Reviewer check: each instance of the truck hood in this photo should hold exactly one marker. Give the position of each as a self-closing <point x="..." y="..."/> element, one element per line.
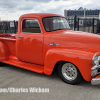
<point x="75" y="39"/>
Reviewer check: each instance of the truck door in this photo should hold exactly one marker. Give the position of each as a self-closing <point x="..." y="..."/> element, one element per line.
<point x="30" y="42"/>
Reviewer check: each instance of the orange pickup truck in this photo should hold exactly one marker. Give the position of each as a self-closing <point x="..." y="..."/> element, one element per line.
<point x="45" y="41"/>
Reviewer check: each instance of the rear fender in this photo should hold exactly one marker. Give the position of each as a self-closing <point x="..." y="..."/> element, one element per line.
<point x="81" y="59"/>
<point x="4" y="51"/>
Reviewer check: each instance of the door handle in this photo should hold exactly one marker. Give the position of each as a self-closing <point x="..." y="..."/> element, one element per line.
<point x="54" y="44"/>
<point x="20" y="36"/>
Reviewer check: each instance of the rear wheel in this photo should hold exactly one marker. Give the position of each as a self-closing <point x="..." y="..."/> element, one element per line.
<point x="69" y="73"/>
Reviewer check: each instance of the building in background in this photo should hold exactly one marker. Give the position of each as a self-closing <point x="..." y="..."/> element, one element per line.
<point x="82" y="13"/>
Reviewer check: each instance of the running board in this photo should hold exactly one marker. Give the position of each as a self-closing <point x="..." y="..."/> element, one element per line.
<point x="24" y="65"/>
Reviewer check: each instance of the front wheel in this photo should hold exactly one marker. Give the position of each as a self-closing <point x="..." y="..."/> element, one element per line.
<point x="69" y="73"/>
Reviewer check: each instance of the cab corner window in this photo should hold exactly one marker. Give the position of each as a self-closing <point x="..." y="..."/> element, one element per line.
<point x="30" y="26"/>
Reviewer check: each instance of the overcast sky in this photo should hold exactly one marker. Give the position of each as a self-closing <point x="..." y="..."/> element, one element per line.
<point x="12" y="9"/>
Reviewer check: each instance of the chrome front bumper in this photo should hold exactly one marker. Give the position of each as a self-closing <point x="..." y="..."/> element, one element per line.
<point x="95" y="75"/>
<point x="95" y="81"/>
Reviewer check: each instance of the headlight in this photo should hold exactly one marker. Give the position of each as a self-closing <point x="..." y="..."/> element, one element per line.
<point x="95" y="60"/>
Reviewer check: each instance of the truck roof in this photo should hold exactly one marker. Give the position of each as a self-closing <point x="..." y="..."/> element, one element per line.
<point x="40" y="15"/>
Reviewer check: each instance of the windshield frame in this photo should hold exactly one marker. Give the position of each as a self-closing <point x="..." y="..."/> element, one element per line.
<point x="56" y="29"/>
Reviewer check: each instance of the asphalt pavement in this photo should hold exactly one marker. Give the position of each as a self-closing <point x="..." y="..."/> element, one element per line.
<point x="16" y="78"/>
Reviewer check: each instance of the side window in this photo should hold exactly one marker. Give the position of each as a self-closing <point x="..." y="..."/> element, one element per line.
<point x="30" y="26"/>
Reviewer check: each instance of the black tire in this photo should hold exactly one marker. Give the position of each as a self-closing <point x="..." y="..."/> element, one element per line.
<point x="70" y="76"/>
<point x="2" y="64"/>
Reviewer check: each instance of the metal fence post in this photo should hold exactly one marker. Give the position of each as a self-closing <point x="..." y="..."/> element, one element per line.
<point x="14" y="26"/>
<point x="93" y="25"/>
<point x="78" y="25"/>
<point x="75" y="22"/>
<point x="3" y="28"/>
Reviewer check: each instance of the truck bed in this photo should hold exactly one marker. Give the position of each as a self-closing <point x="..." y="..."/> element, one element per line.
<point x="10" y="40"/>
<point x="11" y="36"/>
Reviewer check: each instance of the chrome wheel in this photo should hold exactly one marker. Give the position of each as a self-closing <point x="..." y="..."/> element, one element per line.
<point x="69" y="71"/>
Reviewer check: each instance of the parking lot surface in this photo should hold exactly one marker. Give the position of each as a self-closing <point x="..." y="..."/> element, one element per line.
<point x="13" y="77"/>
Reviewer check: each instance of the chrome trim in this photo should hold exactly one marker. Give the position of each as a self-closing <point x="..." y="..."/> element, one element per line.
<point x="20" y="36"/>
<point x="54" y="44"/>
<point x="94" y="59"/>
<point x="94" y="74"/>
<point x="94" y="71"/>
<point x="95" y="67"/>
<point x="95" y="81"/>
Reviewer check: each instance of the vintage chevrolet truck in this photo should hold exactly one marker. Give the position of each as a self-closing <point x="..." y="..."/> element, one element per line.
<point x="44" y="41"/>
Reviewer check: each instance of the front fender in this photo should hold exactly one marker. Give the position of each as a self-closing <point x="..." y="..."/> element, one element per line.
<point x="4" y="51"/>
<point x="82" y="59"/>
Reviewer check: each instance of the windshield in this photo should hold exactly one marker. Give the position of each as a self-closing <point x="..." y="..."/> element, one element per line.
<point x="55" y="23"/>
